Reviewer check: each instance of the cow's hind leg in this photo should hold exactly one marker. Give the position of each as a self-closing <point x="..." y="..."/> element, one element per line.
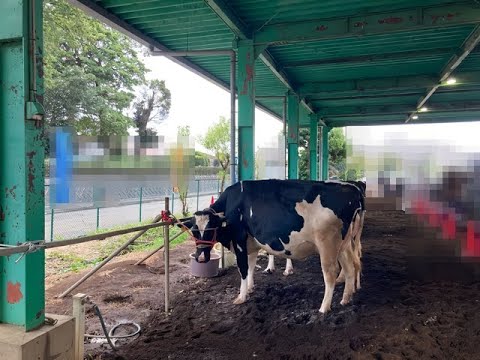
<point x="341" y="277"/>
<point x="346" y="259"/>
<point x="288" y="268"/>
<point x="328" y="260"/>
<point x="252" y="262"/>
<point x="271" y="264"/>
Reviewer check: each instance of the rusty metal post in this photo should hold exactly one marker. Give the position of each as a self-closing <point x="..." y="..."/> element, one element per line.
<point x="166" y="255"/>
<point x="22" y="205"/>
<point x="246" y="110"/>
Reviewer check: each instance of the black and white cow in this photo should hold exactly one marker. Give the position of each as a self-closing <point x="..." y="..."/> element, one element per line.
<point x="357" y="245"/>
<point x="289" y="218"/>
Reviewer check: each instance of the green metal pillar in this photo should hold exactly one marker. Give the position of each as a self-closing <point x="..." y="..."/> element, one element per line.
<point x="325" y="131"/>
<point x="246" y="110"/>
<point x="292" y="135"/>
<point x="313" y="146"/>
<point x="22" y="209"/>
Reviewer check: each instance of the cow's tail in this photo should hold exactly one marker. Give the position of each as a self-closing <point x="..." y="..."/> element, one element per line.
<point x="357" y="227"/>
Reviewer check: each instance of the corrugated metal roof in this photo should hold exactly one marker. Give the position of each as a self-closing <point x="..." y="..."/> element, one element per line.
<point x="327" y="50"/>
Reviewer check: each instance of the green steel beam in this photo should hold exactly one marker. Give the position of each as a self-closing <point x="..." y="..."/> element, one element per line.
<point x="420" y="55"/>
<point x="195" y="14"/>
<point x="22" y="283"/>
<point x="313" y="146"/>
<point x="225" y="12"/>
<point x="246" y="110"/>
<point x="353" y="88"/>
<point x="243" y="32"/>
<point x="161" y="4"/>
<point x="398" y="119"/>
<point x="292" y="135"/>
<point x="466" y="49"/>
<point x="325" y="131"/>
<point x="399" y="109"/>
<point x="170" y="7"/>
<point x="412" y="19"/>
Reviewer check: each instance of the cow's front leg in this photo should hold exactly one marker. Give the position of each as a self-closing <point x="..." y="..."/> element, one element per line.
<point x="252" y="262"/>
<point x="242" y="263"/>
<point x="271" y="265"/>
<point x="288" y="268"/>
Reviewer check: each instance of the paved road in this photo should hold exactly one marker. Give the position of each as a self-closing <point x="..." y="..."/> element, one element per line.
<point x="80" y="222"/>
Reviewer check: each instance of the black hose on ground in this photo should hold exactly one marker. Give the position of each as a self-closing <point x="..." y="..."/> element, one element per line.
<point x="110" y="335"/>
<point x="99" y="314"/>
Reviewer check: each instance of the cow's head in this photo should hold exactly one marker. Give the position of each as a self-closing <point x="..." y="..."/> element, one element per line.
<point x="206" y="226"/>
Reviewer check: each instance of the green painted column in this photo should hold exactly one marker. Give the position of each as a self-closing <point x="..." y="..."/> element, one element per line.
<point x="22" y="209"/>
<point x="325" y="131"/>
<point x="246" y="110"/>
<point x="313" y="146"/>
<point x="292" y="135"/>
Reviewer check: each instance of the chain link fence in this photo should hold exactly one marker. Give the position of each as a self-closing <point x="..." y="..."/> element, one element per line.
<point x="135" y="205"/>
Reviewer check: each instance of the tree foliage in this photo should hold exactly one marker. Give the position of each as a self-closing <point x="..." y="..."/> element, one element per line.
<point x="217" y="139"/>
<point x="303" y="154"/>
<point x="182" y="183"/>
<point x="201" y="159"/>
<point x="90" y="72"/>
<point x="337" y="152"/>
<point x="152" y="105"/>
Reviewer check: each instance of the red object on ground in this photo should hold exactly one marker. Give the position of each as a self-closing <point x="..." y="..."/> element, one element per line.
<point x="449" y="226"/>
<point x="212" y="201"/>
<point x="473" y="240"/>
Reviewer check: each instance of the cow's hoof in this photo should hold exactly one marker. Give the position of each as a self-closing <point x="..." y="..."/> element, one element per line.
<point x="239" y="300"/>
<point x="324" y="310"/>
<point x="345" y="301"/>
<point x="288" y="272"/>
<point x="268" y="271"/>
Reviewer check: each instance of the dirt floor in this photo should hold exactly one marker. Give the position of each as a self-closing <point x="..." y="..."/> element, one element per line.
<point x="392" y="317"/>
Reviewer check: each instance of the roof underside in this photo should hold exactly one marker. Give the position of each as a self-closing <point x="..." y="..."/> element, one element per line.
<point x="350" y="63"/>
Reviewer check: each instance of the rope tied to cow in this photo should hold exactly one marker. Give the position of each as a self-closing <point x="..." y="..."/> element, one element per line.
<point x="193" y="237"/>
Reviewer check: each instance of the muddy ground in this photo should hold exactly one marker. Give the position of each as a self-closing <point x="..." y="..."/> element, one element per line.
<point x="392" y="317"/>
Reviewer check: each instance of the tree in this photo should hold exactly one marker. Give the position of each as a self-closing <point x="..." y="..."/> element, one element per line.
<point x="152" y="105"/>
<point x="337" y="152"/>
<point x="201" y="159"/>
<point x="303" y="154"/>
<point x="217" y="139"/>
<point x="90" y="72"/>
<point x="183" y="133"/>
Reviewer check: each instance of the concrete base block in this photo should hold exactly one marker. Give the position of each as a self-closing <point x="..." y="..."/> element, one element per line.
<point x="48" y="342"/>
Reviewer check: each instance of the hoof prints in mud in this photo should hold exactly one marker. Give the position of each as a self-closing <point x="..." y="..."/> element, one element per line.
<point x="117" y="298"/>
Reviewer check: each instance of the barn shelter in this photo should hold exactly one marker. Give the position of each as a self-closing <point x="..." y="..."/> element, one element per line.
<point x="312" y="64"/>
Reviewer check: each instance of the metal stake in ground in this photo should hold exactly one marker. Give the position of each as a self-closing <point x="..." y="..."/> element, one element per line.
<point x="112" y="255"/>
<point x="166" y="241"/>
